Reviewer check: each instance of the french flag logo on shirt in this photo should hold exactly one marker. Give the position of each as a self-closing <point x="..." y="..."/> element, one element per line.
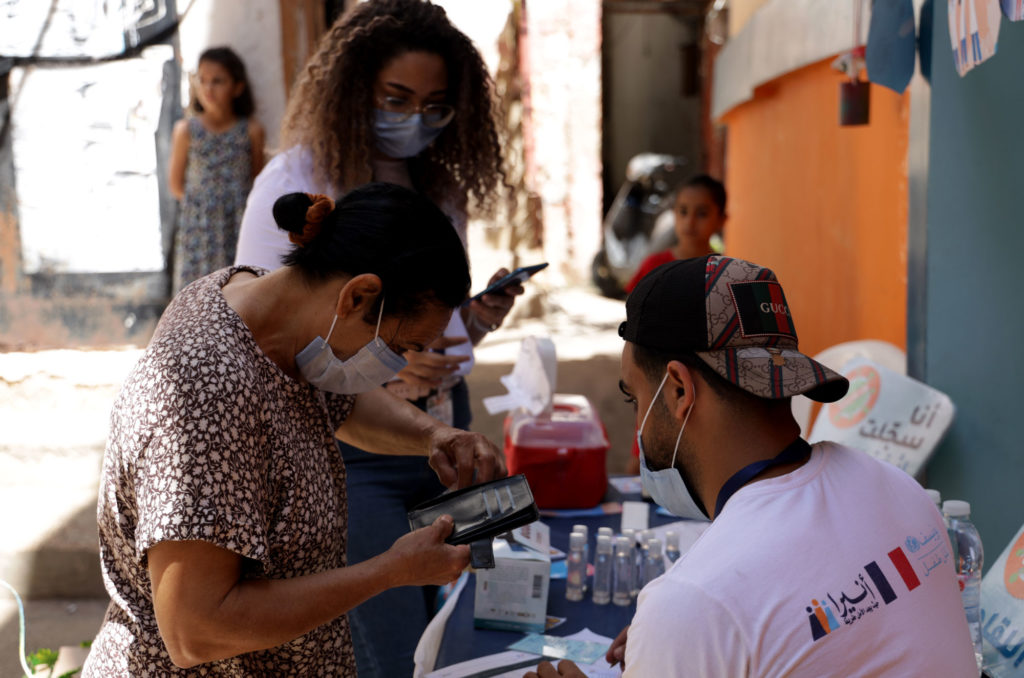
<point x="835" y="609"/>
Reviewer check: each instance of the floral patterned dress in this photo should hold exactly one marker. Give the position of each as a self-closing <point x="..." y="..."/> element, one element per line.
<point x="210" y="440"/>
<point x="218" y="176"/>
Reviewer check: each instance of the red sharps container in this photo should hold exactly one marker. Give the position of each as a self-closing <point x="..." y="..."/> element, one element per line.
<point x="562" y="454"/>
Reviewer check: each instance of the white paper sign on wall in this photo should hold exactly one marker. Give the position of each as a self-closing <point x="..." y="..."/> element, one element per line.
<point x="889" y="415"/>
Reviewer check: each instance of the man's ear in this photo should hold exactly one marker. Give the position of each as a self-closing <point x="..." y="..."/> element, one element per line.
<point x="680" y="388"/>
<point x="358" y="295"/>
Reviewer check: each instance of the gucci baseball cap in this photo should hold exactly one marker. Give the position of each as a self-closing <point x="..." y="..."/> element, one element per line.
<point x="734" y="316"/>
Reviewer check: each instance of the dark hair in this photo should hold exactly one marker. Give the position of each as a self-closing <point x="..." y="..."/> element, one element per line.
<point x="243" y="105"/>
<point x="390" y="231"/>
<point x="714" y="187"/>
<point x="330" y="110"/>
<point x="652" y="363"/>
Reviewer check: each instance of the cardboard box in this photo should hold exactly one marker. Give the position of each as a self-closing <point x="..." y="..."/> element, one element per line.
<point x="513" y="596"/>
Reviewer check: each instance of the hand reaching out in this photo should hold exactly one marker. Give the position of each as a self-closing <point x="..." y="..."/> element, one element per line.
<point x="426" y="369"/>
<point x="566" y="669"/>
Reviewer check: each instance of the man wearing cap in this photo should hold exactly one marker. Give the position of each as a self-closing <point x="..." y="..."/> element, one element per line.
<point x="820" y="561"/>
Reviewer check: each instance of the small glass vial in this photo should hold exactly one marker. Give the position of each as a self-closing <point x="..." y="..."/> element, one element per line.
<point x="672" y="551"/>
<point x="622" y="575"/>
<point x="630" y="534"/>
<point x="585" y="531"/>
<point x="576" y="566"/>
<point x="640" y="559"/>
<point x="603" y="558"/>
<point x="654" y="563"/>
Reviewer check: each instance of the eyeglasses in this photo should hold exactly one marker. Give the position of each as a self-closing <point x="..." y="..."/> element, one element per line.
<point x="397" y="109"/>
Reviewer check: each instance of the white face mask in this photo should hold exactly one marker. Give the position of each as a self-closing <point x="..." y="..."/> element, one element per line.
<point x="372" y="366"/>
<point x="666" y="486"/>
<point x="403" y="139"/>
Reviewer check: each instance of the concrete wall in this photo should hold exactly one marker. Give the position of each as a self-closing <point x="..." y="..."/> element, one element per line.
<point x="648" y="58"/>
<point x="974" y="239"/>
<point x="740" y="12"/>
<point x="564" y="139"/>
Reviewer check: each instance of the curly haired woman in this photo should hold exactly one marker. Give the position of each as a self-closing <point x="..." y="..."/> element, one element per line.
<point x="395" y="93"/>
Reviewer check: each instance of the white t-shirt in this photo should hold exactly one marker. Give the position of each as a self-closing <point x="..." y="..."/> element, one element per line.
<point x="841" y="568"/>
<point x="262" y="243"/>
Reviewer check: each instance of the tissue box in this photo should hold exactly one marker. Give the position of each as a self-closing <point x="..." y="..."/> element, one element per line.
<point x="562" y="455"/>
<point x="513" y="596"/>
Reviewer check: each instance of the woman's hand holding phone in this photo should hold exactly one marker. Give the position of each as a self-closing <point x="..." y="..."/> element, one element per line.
<point x="490" y="309"/>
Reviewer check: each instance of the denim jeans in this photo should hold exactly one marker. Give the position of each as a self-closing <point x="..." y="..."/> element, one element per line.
<point x="381" y="490"/>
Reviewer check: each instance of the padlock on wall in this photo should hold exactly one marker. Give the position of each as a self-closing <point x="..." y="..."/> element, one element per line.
<point x="854" y="102"/>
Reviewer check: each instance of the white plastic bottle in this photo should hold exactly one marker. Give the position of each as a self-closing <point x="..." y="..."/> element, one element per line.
<point x="622" y="575"/>
<point x="654" y="562"/>
<point x="630" y="534"/>
<point x="585" y="531"/>
<point x="672" y="551"/>
<point x="586" y="539"/>
<point x="640" y="558"/>
<point x="576" y="567"/>
<point x="969" y="558"/>
<point x="603" y="557"/>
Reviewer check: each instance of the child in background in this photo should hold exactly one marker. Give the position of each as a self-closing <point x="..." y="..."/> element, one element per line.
<point x="215" y="154"/>
<point x="700" y="216"/>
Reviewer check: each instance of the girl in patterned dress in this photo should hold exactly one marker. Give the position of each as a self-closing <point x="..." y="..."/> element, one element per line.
<point x="215" y="153"/>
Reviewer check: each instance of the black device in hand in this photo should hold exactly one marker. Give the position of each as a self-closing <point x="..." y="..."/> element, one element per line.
<point x="519" y="275"/>
<point x="480" y="511"/>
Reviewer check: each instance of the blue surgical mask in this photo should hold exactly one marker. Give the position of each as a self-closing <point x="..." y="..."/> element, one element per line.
<point x="666" y="486"/>
<point x="403" y="139"/>
<point x="372" y="366"/>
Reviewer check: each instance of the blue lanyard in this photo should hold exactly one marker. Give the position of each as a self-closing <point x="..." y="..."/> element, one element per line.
<point x="794" y="452"/>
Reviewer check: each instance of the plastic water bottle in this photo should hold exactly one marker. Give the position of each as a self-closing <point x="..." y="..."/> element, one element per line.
<point x="641" y="563"/>
<point x="603" y="558"/>
<point x="623" y="571"/>
<point x="654" y="562"/>
<point x="585" y="531"/>
<point x="608" y="532"/>
<point x="576" y="567"/>
<point x="969" y="558"/>
<point x="672" y="551"/>
<point x="630" y="534"/>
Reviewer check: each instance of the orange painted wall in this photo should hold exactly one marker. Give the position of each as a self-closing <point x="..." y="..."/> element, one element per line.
<point x="824" y="206"/>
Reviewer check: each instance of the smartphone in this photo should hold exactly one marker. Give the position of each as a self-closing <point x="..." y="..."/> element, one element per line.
<point x="519" y="275"/>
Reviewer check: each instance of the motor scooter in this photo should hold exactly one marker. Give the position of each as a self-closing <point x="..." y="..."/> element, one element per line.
<point x="639" y="222"/>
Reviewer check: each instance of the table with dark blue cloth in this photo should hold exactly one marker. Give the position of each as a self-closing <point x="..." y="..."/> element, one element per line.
<point x="462" y="641"/>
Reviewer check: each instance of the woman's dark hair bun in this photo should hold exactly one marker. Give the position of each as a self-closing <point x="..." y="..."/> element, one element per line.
<point x="290" y="211"/>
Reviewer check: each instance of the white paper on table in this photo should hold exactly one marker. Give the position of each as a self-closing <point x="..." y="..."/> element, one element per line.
<point x="427" y="648"/>
<point x="525" y="662"/>
<point x="489" y="663"/>
<point x="635" y="515"/>
<point x="601" y="668"/>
